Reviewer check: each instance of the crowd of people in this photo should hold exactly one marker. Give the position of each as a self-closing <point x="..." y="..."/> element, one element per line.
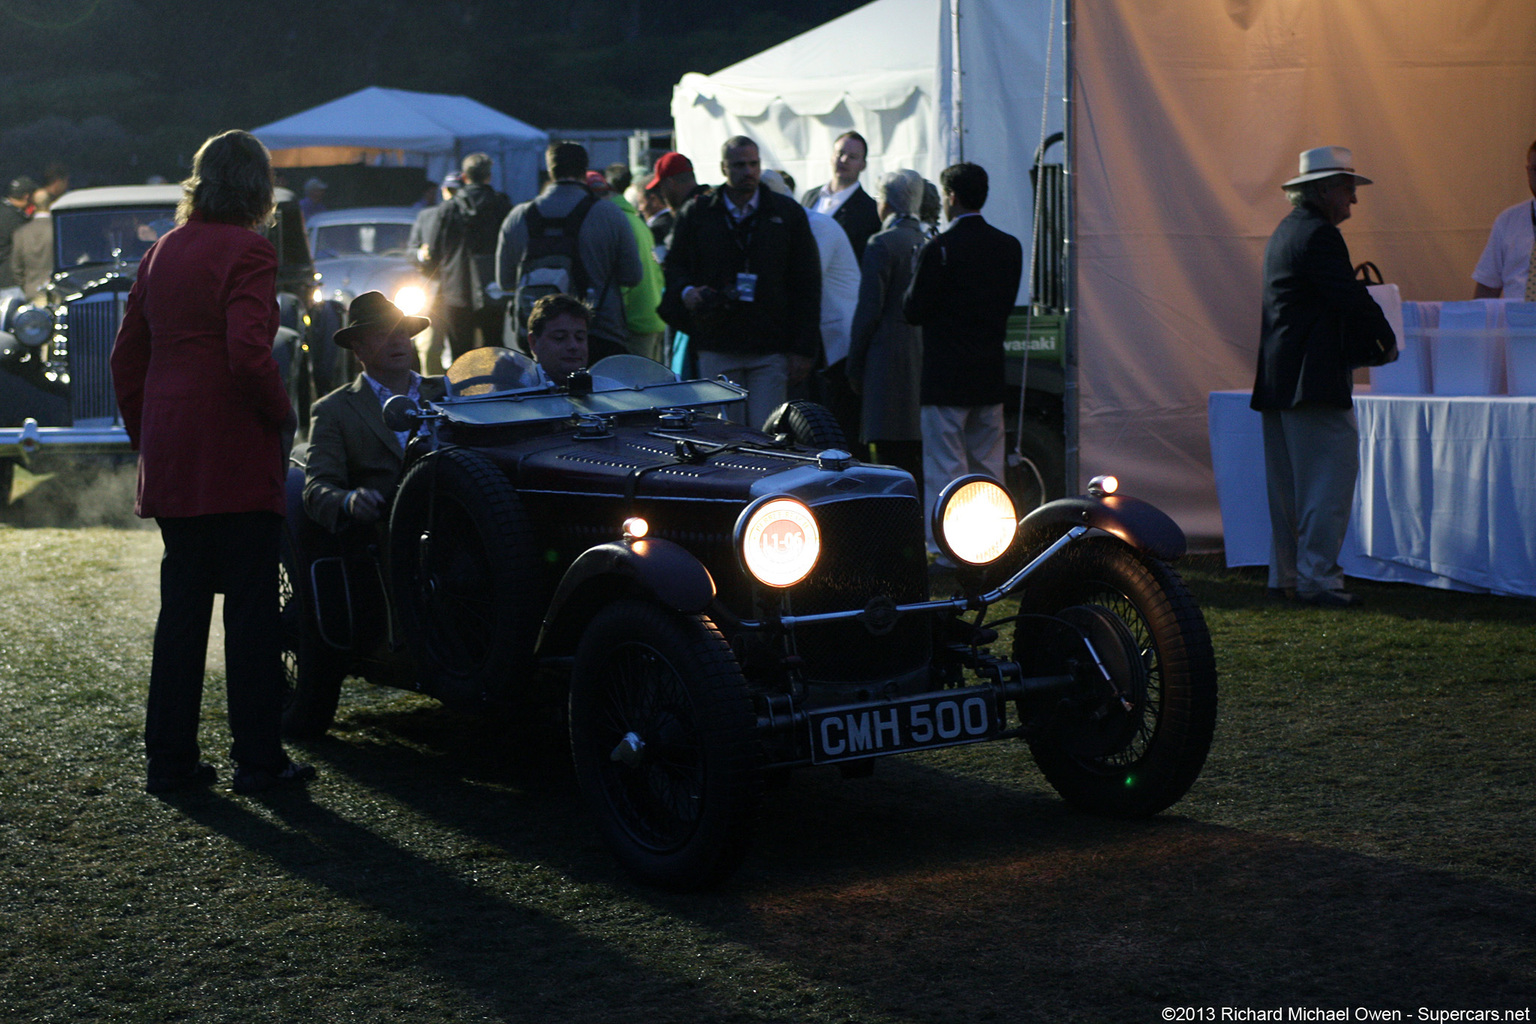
<point x="826" y="297"/>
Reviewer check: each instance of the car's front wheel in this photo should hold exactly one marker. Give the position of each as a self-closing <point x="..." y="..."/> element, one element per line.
<point x="1134" y="747"/>
<point x="662" y="740"/>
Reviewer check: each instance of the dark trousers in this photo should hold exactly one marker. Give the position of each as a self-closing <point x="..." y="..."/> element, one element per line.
<point x="235" y="554"/>
<point x="459" y="326"/>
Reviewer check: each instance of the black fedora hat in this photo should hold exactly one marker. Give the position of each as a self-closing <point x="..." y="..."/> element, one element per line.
<point x="372" y="309"/>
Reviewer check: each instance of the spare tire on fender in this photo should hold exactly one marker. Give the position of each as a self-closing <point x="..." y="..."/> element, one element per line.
<point x="807" y="423"/>
<point x="464" y="577"/>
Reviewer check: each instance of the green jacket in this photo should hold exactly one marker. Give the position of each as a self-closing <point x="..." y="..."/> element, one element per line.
<point x="640" y="302"/>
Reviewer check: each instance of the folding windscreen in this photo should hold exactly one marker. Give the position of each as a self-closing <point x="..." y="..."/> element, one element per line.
<point x="1189" y="114"/>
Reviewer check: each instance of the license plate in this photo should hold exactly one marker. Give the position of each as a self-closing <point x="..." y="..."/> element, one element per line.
<point x="943" y="719"/>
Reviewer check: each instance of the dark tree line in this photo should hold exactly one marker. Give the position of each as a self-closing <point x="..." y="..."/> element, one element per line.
<point x="122" y="89"/>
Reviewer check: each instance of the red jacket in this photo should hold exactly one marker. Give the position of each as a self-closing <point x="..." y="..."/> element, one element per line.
<point x="199" y="390"/>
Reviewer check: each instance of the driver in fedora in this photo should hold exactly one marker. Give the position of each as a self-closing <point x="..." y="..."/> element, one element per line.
<point x="355" y="460"/>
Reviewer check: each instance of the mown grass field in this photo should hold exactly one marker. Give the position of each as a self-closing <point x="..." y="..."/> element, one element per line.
<point x="1363" y="836"/>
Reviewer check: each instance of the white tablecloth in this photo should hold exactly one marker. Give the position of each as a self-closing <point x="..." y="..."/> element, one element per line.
<point x="1446" y="497"/>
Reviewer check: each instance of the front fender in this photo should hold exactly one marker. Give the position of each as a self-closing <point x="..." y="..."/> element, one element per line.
<point x="1141" y="525"/>
<point x="660" y="569"/>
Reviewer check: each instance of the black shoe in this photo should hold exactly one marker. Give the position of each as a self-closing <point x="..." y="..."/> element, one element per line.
<point x="201" y="776"/>
<point x="1330" y="599"/>
<point x="1283" y="593"/>
<point x="255" y="780"/>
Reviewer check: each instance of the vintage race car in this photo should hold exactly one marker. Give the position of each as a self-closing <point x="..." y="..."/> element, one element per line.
<point x="56" y="394"/>
<point x="714" y="604"/>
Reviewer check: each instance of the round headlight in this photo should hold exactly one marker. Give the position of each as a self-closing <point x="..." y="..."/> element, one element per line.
<point x="411" y="299"/>
<point x="33" y="326"/>
<point x="974" y="520"/>
<point x="779" y="542"/>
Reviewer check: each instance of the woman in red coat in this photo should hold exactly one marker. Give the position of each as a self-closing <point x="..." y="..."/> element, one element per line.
<point x="204" y="404"/>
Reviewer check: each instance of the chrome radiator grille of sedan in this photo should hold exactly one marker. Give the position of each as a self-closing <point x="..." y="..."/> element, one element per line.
<point x="93" y="323"/>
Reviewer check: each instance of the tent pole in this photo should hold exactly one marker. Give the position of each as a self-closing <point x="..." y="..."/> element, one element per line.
<point x="957" y="108"/>
<point x="1069" y="398"/>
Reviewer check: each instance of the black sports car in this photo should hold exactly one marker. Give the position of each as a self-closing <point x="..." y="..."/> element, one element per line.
<point x="716" y="603"/>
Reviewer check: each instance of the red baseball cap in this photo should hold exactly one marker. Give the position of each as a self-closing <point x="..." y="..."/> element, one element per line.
<point x="669" y="166"/>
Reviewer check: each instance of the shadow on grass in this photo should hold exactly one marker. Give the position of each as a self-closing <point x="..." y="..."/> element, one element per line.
<point x="925" y="893"/>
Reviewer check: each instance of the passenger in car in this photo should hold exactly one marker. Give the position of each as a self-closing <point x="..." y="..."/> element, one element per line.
<point x="354" y="460"/>
<point x="557" y="335"/>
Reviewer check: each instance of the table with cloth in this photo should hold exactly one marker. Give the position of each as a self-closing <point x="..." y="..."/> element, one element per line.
<point x="1447" y="490"/>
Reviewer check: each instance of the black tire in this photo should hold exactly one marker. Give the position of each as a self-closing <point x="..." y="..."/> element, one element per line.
<point x="807" y="424"/>
<point x="677" y="814"/>
<point x="312" y="671"/>
<point x="464" y="577"/>
<point x="1098" y="755"/>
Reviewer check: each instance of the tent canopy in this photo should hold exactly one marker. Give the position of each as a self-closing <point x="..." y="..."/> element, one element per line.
<point x="414" y="129"/>
<point x="887" y="70"/>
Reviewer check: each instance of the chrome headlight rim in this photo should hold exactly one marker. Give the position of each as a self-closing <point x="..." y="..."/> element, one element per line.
<point x="955" y="531"/>
<point x="33" y="326"/>
<point x="798" y="541"/>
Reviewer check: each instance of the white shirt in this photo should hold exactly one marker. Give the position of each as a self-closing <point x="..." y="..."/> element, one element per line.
<point x="830" y="202"/>
<point x="1506" y="259"/>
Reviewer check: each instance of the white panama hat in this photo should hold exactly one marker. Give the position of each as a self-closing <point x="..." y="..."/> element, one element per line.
<point x="1325" y="162"/>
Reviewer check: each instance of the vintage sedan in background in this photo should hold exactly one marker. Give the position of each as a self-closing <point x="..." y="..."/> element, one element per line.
<point x="715" y="605"/>
<point x="56" y="395"/>
<point x="360" y="250"/>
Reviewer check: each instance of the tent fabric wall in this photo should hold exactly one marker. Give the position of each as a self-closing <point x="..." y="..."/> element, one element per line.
<point x="1187" y="116"/>
<point x="886" y="70"/>
<point x="418" y="129"/>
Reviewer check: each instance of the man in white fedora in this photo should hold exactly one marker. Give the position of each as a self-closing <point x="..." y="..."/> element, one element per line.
<point x="1319" y="324"/>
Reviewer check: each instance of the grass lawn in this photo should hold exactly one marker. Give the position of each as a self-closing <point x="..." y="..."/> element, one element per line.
<point x="1363" y="836"/>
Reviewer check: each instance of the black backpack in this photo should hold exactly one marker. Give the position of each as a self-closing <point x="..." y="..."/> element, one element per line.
<point x="551" y="260"/>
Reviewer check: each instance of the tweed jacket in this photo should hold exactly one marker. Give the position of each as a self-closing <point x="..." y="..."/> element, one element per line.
<point x="349" y="446"/>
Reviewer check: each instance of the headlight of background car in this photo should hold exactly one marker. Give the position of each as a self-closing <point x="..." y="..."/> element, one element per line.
<point x="974" y="520"/>
<point x="33" y="326"/>
<point x="412" y="300"/>
<point x="778" y="541"/>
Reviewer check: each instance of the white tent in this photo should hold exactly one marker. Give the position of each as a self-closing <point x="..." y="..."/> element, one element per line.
<point x="1185" y="117"/>
<point x="888" y="71"/>
<point x="410" y="129"/>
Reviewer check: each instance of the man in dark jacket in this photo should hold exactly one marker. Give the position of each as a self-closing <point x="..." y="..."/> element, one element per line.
<point x="961" y="294"/>
<point x="464" y="245"/>
<point x="843" y="198"/>
<point x="1319" y="324"/>
<point x="744" y="280"/>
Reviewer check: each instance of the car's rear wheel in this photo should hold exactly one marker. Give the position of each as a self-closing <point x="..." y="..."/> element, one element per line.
<point x="808" y="424"/>
<point x="662" y="740"/>
<point x="1138" y="750"/>
<point x="464" y="576"/>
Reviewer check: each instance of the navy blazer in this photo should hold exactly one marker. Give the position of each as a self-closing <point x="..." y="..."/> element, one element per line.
<point x="1318" y="319"/>
<point x="859" y="215"/>
<point x="961" y="294"/>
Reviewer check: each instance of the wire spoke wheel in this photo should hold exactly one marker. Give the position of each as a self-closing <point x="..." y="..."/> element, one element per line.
<point x="662" y="740"/>
<point x="1133" y="746"/>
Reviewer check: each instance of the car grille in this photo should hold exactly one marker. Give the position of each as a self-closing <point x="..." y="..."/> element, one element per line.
<point x="871" y="547"/>
<point x="93" y="323"/>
